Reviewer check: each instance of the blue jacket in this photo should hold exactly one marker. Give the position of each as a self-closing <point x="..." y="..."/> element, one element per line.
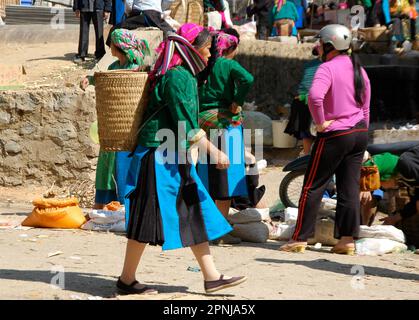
<point x="104" y="5"/>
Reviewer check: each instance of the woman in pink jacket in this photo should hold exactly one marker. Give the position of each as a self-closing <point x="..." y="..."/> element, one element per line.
<point x="339" y="101"/>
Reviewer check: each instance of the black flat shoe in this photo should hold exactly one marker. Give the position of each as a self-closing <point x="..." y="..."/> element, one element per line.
<point x="215" y="285"/>
<point x="130" y="289"/>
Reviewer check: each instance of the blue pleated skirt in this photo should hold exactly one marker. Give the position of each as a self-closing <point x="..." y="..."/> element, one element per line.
<point x="228" y="183"/>
<point x="167" y="204"/>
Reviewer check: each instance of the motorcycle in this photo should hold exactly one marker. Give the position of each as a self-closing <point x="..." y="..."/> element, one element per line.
<point x="292" y="183"/>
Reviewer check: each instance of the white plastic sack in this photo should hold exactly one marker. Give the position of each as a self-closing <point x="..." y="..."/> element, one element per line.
<point x="118" y="226"/>
<point x="249" y="215"/>
<point x="106" y="216"/>
<point x="249" y="27"/>
<point x="376" y="247"/>
<point x="251" y="232"/>
<point x="291" y="215"/>
<point x="282" y="231"/>
<point x="214" y="19"/>
<point x="382" y="232"/>
<point x="257" y="120"/>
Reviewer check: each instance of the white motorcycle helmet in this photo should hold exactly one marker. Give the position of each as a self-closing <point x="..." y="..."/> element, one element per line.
<point x="339" y="36"/>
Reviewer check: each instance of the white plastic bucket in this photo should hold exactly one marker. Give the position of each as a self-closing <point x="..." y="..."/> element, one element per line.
<point x="281" y="139"/>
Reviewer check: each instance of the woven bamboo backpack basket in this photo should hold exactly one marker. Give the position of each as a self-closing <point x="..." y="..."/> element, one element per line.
<point x="120" y="105"/>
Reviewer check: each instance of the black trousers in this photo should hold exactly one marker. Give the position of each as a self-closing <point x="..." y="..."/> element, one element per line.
<point x="339" y="153"/>
<point x="97" y="19"/>
<point x="147" y="18"/>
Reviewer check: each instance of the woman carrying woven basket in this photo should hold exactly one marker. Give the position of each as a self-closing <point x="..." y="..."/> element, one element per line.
<point x="225" y="86"/>
<point x="112" y="167"/>
<point x="166" y="201"/>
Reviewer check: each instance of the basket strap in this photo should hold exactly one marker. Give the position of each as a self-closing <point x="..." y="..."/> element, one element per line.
<point x="143" y="125"/>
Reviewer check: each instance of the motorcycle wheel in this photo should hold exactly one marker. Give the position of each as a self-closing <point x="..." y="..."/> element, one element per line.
<point x="290" y="188"/>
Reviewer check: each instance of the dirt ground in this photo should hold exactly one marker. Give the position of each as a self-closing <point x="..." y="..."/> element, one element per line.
<point x="88" y="263"/>
<point x="46" y="65"/>
<point x="91" y="262"/>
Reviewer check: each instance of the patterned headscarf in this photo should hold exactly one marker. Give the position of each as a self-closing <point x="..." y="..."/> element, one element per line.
<point x="135" y="49"/>
<point x="178" y="49"/>
<point x="226" y="42"/>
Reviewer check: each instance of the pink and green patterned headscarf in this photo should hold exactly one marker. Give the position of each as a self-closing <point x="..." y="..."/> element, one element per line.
<point x="177" y="49"/>
<point x="225" y="43"/>
<point x="135" y="49"/>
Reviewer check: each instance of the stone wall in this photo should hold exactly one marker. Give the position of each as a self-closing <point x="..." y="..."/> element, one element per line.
<point x="44" y="137"/>
<point x="277" y="68"/>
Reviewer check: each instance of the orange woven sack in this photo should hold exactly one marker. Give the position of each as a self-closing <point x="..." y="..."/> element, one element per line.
<point x="55" y="213"/>
<point x="370" y="178"/>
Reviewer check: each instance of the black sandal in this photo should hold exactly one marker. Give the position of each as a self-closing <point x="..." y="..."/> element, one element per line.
<point x="130" y="289"/>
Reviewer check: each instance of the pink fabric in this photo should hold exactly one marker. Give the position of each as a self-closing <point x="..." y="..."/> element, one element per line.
<point x="190" y="32"/>
<point x="225" y="42"/>
<point x="332" y="95"/>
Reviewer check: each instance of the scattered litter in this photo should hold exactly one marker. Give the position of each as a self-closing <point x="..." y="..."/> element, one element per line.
<point x="6" y="225"/>
<point x="74" y="258"/>
<point x="23" y="235"/>
<point x="20" y="227"/>
<point x="193" y="269"/>
<point x="94" y="298"/>
<point x="56" y="253"/>
<point x="30" y="240"/>
<point x="76" y="297"/>
<point x="262" y="164"/>
<point x="278" y="206"/>
<point x="318" y="245"/>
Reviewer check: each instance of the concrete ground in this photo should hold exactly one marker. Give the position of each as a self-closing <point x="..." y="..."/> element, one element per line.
<point x="91" y="262"/>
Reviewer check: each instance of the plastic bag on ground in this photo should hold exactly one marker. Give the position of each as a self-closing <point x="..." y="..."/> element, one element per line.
<point x="282" y="231"/>
<point x="106" y="216"/>
<point x="118" y="226"/>
<point x="376" y="247"/>
<point x="382" y="232"/>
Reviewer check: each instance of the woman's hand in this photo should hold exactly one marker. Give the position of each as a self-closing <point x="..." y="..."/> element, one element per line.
<point x="84" y="83"/>
<point x="249" y="158"/>
<point x="222" y="161"/>
<point x="235" y="108"/>
<point x="365" y="197"/>
<point x="324" y="125"/>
